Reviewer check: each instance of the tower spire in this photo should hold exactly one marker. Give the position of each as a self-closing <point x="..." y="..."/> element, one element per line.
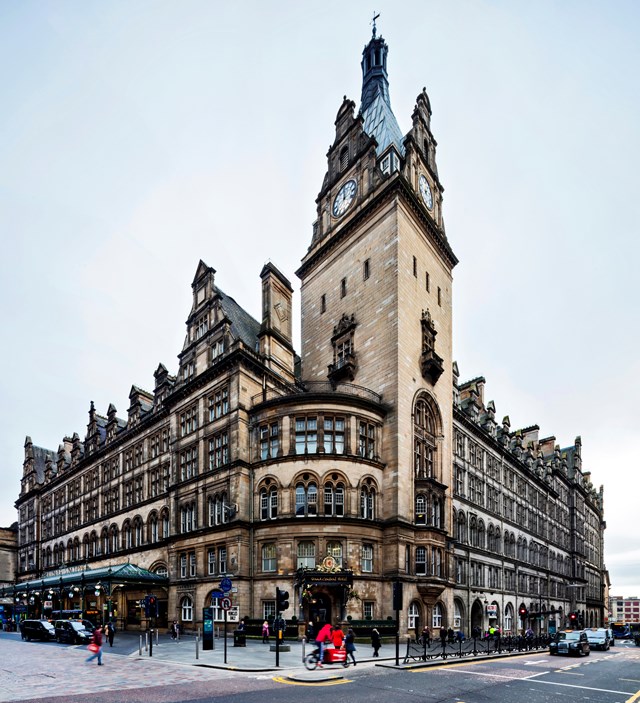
<point x="375" y="103"/>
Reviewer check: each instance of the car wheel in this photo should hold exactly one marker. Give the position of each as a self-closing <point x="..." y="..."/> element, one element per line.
<point x="587" y="653"/>
<point x="58" y="639"/>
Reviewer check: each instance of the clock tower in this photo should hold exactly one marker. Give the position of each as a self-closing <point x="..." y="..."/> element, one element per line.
<point x="376" y="292"/>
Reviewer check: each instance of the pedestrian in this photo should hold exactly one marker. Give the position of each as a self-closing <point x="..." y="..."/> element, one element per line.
<point x="323" y="637"/>
<point x="337" y="637"/>
<point x="375" y="642"/>
<point x="350" y="644"/>
<point x="425" y="637"/>
<point x="241" y="627"/>
<point x="450" y="635"/>
<point x="111" y="632"/>
<point x="265" y="632"/>
<point x="96" y="642"/>
<point x="310" y="632"/>
<point x="174" y="630"/>
<point x="443" y="637"/>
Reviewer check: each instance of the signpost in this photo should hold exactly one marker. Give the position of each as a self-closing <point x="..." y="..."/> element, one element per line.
<point x="225" y="604"/>
<point x="207" y="628"/>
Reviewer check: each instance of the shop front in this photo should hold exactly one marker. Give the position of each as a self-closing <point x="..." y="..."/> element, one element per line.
<point x="323" y="593"/>
<point x="100" y="595"/>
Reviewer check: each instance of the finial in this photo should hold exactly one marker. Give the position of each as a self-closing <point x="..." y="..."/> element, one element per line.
<point x="373" y="22"/>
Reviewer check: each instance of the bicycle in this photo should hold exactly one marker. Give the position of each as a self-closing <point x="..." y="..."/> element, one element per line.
<point x="331" y="656"/>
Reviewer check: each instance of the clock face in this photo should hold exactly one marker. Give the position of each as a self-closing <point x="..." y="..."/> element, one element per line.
<point x="345" y="197"/>
<point x="425" y="192"/>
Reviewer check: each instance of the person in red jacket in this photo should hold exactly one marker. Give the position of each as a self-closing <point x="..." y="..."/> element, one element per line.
<point x="97" y="640"/>
<point x="323" y="637"/>
<point x="337" y="637"/>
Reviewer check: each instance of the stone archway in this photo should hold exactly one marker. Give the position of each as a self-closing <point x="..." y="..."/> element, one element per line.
<point x="477" y="617"/>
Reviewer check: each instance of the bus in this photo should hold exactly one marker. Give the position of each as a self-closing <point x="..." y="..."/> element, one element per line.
<point x="620" y="631"/>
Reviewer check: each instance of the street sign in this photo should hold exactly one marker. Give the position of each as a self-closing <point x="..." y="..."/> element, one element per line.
<point x="225" y="604"/>
<point x="217" y="593"/>
<point x="225" y="584"/>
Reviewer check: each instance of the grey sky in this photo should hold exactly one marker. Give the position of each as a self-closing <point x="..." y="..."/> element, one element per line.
<point x="139" y="137"/>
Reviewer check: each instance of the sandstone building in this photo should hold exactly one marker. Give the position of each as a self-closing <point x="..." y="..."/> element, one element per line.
<point x="362" y="461"/>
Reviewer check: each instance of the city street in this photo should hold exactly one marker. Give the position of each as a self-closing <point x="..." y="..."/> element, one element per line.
<point x="33" y="671"/>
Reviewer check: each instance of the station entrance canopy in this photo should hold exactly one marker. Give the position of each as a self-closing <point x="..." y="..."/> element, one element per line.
<point x="119" y="575"/>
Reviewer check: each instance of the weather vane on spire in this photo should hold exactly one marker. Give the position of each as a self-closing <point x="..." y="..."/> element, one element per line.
<point x="373" y="22"/>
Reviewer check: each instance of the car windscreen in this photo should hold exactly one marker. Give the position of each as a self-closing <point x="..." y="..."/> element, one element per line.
<point x="568" y="636"/>
<point x="48" y="625"/>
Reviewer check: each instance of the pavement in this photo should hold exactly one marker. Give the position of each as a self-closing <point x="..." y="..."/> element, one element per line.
<point x="258" y="657"/>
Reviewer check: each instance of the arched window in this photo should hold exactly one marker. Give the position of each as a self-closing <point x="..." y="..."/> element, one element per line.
<point x="508" y="620"/>
<point x="458" y="610"/>
<point x="512" y="545"/>
<point x="306" y="499"/>
<point x="424" y="439"/>
<point x="334" y="549"/>
<point x="186" y="606"/>
<point x="306" y="555"/>
<point x="491" y="539"/>
<point x="161" y="570"/>
<point x="165" y="524"/>
<point x="138" y="532"/>
<point x="421" y="509"/>
<point x="436" y="616"/>
<point x="334" y="499"/>
<point x="86" y="547"/>
<point x="421" y="561"/>
<point x="69" y="551"/>
<point x="114" y="538"/>
<point x="106" y="545"/>
<point x="76" y="549"/>
<point x="367" y="502"/>
<point x="481" y="534"/>
<point x="127" y="537"/>
<point x="497" y="540"/>
<point x="268" y="503"/>
<point x="188" y="518"/>
<point x="95" y="544"/>
<point x="413" y="616"/>
<point x="153" y="528"/>
<point x="473" y="531"/>
<point x="462" y="527"/>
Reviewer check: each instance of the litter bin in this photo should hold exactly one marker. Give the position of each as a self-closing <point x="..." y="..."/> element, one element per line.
<point x="239" y="638"/>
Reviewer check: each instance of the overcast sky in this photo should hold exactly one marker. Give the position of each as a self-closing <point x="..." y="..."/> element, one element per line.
<point x="139" y="137"/>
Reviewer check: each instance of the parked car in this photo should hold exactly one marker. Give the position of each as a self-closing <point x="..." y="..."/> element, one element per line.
<point x="598" y="638"/>
<point x="73" y="631"/>
<point x="570" y="642"/>
<point x="36" y="630"/>
<point x="612" y="639"/>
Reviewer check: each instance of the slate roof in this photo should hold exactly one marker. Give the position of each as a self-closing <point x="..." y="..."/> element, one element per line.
<point x="243" y="325"/>
<point x="381" y="123"/>
<point x="40" y="457"/>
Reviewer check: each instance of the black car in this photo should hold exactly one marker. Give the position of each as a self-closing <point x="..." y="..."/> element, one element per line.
<point x="36" y="630"/>
<point x="73" y="631"/>
<point x="572" y="642"/>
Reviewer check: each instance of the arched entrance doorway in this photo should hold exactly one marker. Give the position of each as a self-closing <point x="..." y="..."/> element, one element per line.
<point x="320" y="609"/>
<point x="477" y="617"/>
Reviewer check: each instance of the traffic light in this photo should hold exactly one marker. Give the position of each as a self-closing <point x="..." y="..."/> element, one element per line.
<point x="523" y="612"/>
<point x="573" y="619"/>
<point x="151" y="606"/>
<point x="282" y="602"/>
<point x="397" y="595"/>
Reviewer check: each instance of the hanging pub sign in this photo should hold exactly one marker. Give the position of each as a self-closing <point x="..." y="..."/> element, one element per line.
<point x="492" y="611"/>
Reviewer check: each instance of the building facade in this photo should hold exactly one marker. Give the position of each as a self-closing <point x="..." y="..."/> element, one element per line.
<point x="333" y="473"/>
<point x="625" y="610"/>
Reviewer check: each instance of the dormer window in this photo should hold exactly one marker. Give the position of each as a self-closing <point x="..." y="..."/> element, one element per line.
<point x="390" y="162"/>
<point x="201" y="294"/>
<point x="189" y="371"/>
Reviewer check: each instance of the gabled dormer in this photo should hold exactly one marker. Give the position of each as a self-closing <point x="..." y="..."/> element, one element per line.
<point x="140" y="403"/>
<point x="63" y="459"/>
<point x="77" y="449"/>
<point x="164" y="384"/>
<point x="112" y="423"/>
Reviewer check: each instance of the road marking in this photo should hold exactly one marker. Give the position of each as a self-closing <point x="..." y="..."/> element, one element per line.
<point x="589" y="688"/>
<point x="283" y="679"/>
<point x="633" y="698"/>
<point x="632" y="680"/>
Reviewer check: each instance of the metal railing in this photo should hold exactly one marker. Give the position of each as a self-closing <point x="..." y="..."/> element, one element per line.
<point x="475" y="646"/>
